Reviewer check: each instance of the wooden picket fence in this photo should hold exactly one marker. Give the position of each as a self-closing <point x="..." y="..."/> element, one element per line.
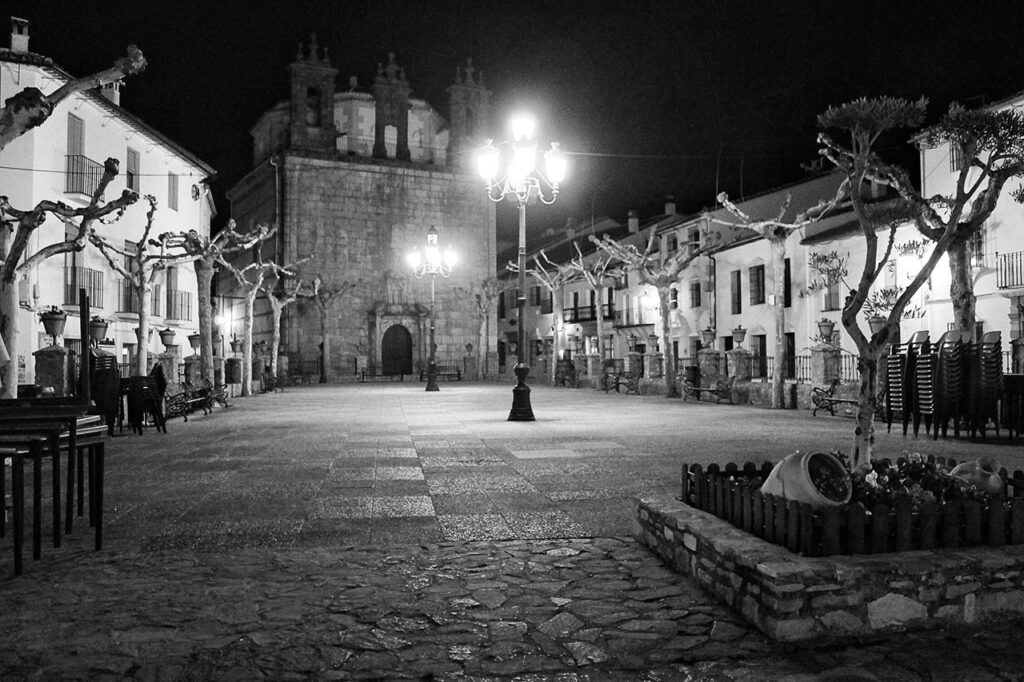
<point x="733" y="493"/>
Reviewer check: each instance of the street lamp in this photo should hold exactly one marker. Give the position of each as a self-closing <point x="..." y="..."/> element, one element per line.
<point x="522" y="184"/>
<point x="431" y="262"/>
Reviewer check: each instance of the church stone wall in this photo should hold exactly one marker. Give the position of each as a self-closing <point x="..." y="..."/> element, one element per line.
<point x="359" y="220"/>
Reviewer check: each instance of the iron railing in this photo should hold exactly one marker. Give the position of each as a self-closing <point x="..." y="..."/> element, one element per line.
<point x="83" y="174"/>
<point x="128" y="299"/>
<point x="77" y="277"/>
<point x="1010" y="270"/>
<point x="179" y="305"/>
<point x="587" y="313"/>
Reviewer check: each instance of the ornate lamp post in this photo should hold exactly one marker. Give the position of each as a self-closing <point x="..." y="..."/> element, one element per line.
<point x="522" y="184"/>
<point x="431" y="262"/>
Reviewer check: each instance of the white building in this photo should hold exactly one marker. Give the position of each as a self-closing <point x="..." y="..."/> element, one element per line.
<point x="62" y="160"/>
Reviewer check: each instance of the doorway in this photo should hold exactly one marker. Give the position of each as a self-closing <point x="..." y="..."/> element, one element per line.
<point x="396" y="351"/>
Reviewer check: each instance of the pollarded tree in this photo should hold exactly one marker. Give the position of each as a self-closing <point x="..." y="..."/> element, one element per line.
<point x="553" y="277"/>
<point x="17" y="261"/>
<point x="250" y="279"/>
<point x="279" y="294"/>
<point x="662" y="274"/>
<point x="861" y="123"/>
<point x="484" y="294"/>
<point x="325" y="295"/>
<point x="595" y="270"/>
<point x="25" y="110"/>
<point x="139" y="265"/>
<point x="776" y="230"/>
<point x="992" y="145"/>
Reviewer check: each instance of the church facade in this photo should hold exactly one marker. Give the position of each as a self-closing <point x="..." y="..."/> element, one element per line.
<point x="354" y="180"/>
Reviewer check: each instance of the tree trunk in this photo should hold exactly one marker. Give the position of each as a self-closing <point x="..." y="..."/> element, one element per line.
<point x="204" y="280"/>
<point x="484" y="346"/>
<point x="325" y="347"/>
<point x="145" y="308"/>
<point x="275" y="339"/>
<point x="671" y="389"/>
<point x="961" y="286"/>
<point x="9" y="331"/>
<point x="779" y="277"/>
<point x="558" y="308"/>
<point x="250" y="302"/>
<point x="599" y="315"/>
<point x="864" y="434"/>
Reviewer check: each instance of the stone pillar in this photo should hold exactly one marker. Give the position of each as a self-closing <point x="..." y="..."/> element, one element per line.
<point x="825" y="364"/>
<point x="709" y="361"/>
<point x="192" y="369"/>
<point x="169" y="361"/>
<point x="738" y="360"/>
<point x="1017" y="355"/>
<point x="632" y="362"/>
<point x="654" y="362"/>
<point x="52" y="370"/>
<point x="594" y="365"/>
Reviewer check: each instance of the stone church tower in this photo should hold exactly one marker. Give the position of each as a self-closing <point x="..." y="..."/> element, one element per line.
<point x="354" y="179"/>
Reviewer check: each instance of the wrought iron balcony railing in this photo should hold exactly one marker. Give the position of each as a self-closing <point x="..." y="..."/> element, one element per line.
<point x="179" y="305"/>
<point x="76" y="278"/>
<point x="83" y="174"/>
<point x="1010" y="270"/>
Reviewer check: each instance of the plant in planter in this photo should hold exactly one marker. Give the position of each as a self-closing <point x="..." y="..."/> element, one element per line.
<point x="53" y="319"/>
<point x="816" y="478"/>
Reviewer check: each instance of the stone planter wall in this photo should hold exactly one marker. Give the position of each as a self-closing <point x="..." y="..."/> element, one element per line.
<point x="791" y="598"/>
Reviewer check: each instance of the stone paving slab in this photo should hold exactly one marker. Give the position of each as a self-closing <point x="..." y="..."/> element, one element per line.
<point x="380" y="532"/>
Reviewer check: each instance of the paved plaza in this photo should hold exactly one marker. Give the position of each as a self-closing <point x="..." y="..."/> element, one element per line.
<point x="382" y="532"/>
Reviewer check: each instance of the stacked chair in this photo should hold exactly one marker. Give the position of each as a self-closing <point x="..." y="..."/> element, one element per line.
<point x="901" y="386"/>
<point x="986" y="383"/>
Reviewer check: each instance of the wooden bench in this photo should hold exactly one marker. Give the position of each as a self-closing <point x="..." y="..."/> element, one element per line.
<point x="722" y="390"/>
<point x="444" y="373"/>
<point x="825" y="399"/>
<point x="616" y="381"/>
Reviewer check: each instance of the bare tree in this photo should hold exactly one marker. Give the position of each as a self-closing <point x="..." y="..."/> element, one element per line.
<point x="553" y="277"/>
<point x="776" y="231"/>
<point x="324" y="296"/>
<point x="25" y="110"/>
<point x="280" y="295"/>
<point x="207" y="253"/>
<point x="139" y="266"/>
<point x="484" y="294"/>
<point x="23" y="224"/>
<point x="662" y="274"/>
<point x="941" y="219"/>
<point x="595" y="270"/>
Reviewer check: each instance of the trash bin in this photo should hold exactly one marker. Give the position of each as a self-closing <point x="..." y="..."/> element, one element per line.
<point x="233" y="371"/>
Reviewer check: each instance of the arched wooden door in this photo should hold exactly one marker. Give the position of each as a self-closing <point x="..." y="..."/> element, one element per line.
<point x="396" y="351"/>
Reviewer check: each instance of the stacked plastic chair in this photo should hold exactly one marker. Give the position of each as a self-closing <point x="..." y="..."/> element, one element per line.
<point x="900" y="380"/>
<point x="951" y="383"/>
<point x="924" y="377"/>
<point x="986" y="382"/>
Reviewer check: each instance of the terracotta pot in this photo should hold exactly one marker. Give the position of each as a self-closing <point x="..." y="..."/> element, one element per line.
<point x="791" y="479"/>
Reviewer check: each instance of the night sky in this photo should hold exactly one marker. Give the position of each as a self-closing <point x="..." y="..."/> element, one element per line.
<point x="683" y="97"/>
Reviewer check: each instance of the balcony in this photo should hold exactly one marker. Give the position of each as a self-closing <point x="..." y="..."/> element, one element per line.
<point x="632" y="317"/>
<point x="179" y="305"/>
<point x="587" y="313"/>
<point x="83" y="174"/>
<point x="76" y="278"/>
<point x="128" y="299"/>
<point x="1010" y="270"/>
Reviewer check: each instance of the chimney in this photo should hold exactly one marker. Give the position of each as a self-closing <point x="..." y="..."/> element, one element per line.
<point x="112" y="91"/>
<point x="633" y="221"/>
<point x="670" y="205"/>
<point x="19" y="34"/>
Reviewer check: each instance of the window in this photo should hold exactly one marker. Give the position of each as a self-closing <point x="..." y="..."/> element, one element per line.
<point x="956" y="157"/>
<point x="76" y="136"/>
<point x="757" y="285"/>
<point x="695" y="293"/>
<point x="172" y="191"/>
<point x="673" y="298"/>
<point x="672" y="243"/>
<point x="759" y="356"/>
<point x="694" y="239"/>
<point x="976" y="248"/>
<point x="787" y="286"/>
<point x="535" y="295"/>
<point x="501" y="306"/>
<point x="132" y="174"/>
<point x="735" y="291"/>
<point x="313" y="107"/>
<point x="547" y="304"/>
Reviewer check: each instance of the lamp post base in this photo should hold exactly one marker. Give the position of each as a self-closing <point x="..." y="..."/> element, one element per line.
<point x="432" y="376"/>
<point x="521" y="411"/>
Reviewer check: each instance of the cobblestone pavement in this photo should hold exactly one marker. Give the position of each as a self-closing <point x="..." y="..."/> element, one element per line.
<point x="379" y="532"/>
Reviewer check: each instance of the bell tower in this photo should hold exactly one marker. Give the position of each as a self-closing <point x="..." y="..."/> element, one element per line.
<point x="470" y="111"/>
<point x="311" y="124"/>
<point x="391" y="92"/>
